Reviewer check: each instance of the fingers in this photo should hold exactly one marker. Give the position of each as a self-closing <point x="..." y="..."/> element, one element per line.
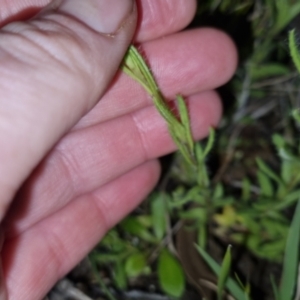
<point x="162" y="17"/>
<point x="154" y="16"/>
<point x="35" y="260"/>
<point x="183" y="63"/>
<point x="89" y="158"/>
<point x="53" y="69"/>
<point x="17" y="10"/>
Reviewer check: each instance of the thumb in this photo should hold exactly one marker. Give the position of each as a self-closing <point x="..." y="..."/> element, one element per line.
<point x="53" y="69"/>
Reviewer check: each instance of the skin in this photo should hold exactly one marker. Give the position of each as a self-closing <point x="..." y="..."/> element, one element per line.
<point x="71" y="169"/>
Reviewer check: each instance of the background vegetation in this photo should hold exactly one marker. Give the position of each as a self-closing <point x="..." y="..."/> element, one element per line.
<point x="239" y="188"/>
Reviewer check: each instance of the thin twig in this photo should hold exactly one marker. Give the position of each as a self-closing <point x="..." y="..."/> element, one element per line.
<point x="165" y="241"/>
<point x="229" y="153"/>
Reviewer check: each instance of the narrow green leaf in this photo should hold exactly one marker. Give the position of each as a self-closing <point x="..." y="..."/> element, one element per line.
<point x="291" y="258"/>
<point x="246" y="288"/>
<point x="296" y="114"/>
<point x="176" y="136"/>
<point x="202" y="235"/>
<point x="294" y="50"/>
<point x="219" y="191"/>
<point x="170" y="274"/>
<point x="246" y="189"/>
<point x="199" y="152"/>
<point x="289" y="200"/>
<point x="278" y="141"/>
<point x="287" y="14"/>
<point x="120" y="276"/>
<point x="265" y="184"/>
<point x="224" y="272"/>
<point x="264" y="168"/>
<point x="210" y="142"/>
<point x="185" y="120"/>
<point x="265" y="71"/>
<point x="247" y="291"/>
<point x="294" y="10"/>
<point x="158" y="213"/>
<point x="288" y="169"/>
<point x="231" y="285"/>
<point x="282" y="14"/>
<point x="274" y="288"/>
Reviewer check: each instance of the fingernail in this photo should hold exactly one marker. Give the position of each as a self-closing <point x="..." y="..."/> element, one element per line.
<point x="104" y="16"/>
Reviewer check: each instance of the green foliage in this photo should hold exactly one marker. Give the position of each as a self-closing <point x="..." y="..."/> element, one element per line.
<point x="135" y="264"/>
<point x="291" y="259"/>
<point x="235" y="290"/>
<point x="170" y="274"/>
<point x="285" y="13"/>
<point x="158" y="214"/>
<point x="180" y="131"/>
<point x="227" y="6"/>
<point x="289" y="273"/>
<point x="252" y="214"/>
<point x="224" y="273"/>
<point x="134" y="226"/>
<point x="294" y="49"/>
<point x="119" y="275"/>
<point x="268" y="70"/>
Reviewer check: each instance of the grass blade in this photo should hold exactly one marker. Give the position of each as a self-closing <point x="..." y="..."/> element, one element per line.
<point x="210" y="142"/>
<point x="291" y="258"/>
<point x="224" y="272"/>
<point x="185" y="121"/>
<point x="275" y="288"/>
<point x="231" y="285"/>
<point x="265" y="169"/>
<point x="294" y="50"/>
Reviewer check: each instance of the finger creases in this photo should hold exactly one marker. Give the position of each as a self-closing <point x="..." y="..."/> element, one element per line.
<point x="89" y="158"/>
<point x="156" y="18"/>
<point x="184" y="63"/>
<point x="53" y="69"/>
<point x="161" y="17"/>
<point x="37" y="258"/>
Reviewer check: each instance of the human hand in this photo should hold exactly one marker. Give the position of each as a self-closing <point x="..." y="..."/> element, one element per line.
<point x="54" y="70"/>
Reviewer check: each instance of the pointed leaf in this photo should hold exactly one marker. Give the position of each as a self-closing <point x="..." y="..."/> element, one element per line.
<point x="231" y="285"/>
<point x="265" y="184"/>
<point x="274" y="288"/>
<point x="170" y="274"/>
<point x="120" y="276"/>
<point x="185" y="120"/>
<point x="246" y="189"/>
<point x="291" y="258"/>
<point x="224" y="272"/>
<point x="158" y="213"/>
<point x="219" y="191"/>
<point x="210" y="142"/>
<point x="264" y="168"/>
<point x="269" y="70"/>
<point x="294" y="50"/>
